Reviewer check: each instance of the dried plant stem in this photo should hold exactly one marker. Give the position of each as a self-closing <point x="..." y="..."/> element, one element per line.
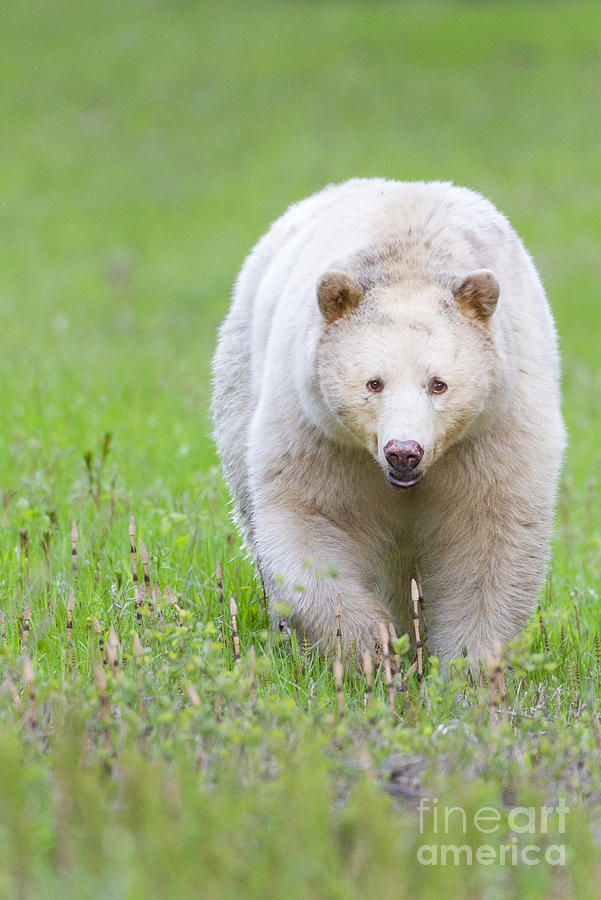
<point x="418" y="640"/>
<point x="138" y="659"/>
<point x="134" y="566"/>
<point x="496" y="685"/>
<point x="28" y="676"/>
<point x="111" y="651"/>
<point x="218" y="708"/>
<point x="70" y="608"/>
<point x="139" y="600"/>
<point x="395" y="658"/>
<point x="98" y="631"/>
<point x="46" y="542"/>
<point x="144" y="560"/>
<point x="577" y="611"/>
<point x="385" y="641"/>
<point x="157" y="599"/>
<point x="74" y="539"/>
<point x="367" y="668"/>
<point x="138" y="596"/>
<point x="26" y="625"/>
<point x="235" y="640"/>
<point x="193" y="696"/>
<point x="171" y="599"/>
<point x="219" y="577"/>
<point x="543" y="630"/>
<point x="338" y="680"/>
<point x="3" y="628"/>
<point x="502" y="693"/>
<point x="404" y="684"/>
<point x="338" y="630"/>
<point x="132" y="547"/>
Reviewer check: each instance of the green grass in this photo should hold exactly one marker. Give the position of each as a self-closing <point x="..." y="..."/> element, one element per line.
<point x="145" y="147"/>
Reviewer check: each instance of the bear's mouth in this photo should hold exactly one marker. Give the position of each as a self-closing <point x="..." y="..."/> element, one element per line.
<point x="398" y="479"/>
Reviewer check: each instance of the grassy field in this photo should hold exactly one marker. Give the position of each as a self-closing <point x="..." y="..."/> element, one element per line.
<point x="145" y="147"/>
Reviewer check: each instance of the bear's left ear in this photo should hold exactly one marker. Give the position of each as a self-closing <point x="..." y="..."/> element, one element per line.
<point x="477" y="294"/>
<point x="337" y="294"/>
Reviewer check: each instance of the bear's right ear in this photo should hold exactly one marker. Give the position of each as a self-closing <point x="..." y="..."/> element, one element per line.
<point x="337" y="294"/>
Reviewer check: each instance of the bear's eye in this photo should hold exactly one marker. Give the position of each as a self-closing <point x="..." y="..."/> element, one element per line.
<point x="375" y="385"/>
<point x="437" y="386"/>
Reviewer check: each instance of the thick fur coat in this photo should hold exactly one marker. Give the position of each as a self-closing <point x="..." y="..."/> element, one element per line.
<point x="387" y="405"/>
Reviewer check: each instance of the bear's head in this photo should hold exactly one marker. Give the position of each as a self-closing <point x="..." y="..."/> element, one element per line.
<point x="407" y="368"/>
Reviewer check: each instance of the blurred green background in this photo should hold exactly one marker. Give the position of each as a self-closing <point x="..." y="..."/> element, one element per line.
<point x="147" y="145"/>
<point x="144" y="147"/>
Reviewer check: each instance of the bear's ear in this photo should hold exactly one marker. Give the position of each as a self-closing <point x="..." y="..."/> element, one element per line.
<point x="337" y="294"/>
<point x="477" y="294"/>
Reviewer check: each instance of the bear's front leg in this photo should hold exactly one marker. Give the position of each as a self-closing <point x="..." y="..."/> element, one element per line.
<point x="481" y="583"/>
<point x="310" y="567"/>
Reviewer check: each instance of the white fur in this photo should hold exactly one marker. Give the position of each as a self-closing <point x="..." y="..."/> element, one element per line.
<point x="301" y="439"/>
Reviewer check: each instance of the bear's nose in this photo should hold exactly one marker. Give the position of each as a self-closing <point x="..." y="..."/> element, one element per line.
<point x="403" y="454"/>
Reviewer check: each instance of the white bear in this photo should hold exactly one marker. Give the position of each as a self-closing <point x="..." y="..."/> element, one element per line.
<point x="387" y="406"/>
